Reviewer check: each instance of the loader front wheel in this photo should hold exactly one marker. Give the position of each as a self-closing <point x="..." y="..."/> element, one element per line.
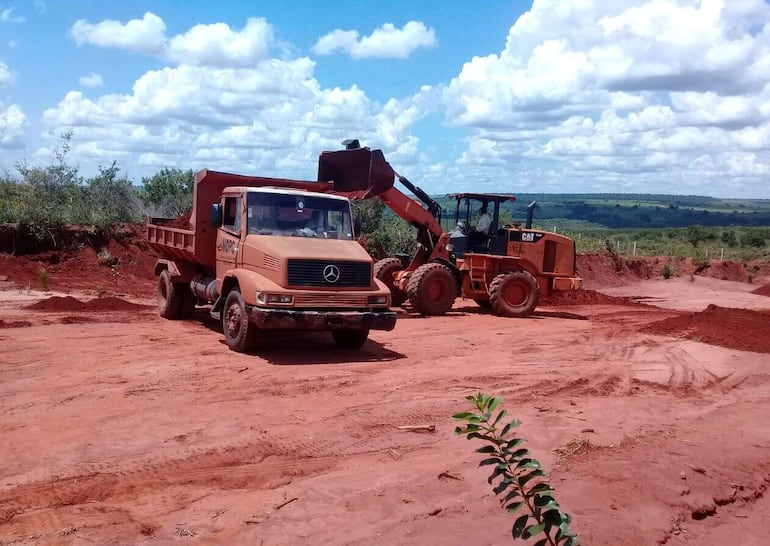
<point x="432" y="289"/>
<point x="170" y="298"/>
<point x="240" y="333"/>
<point x="385" y="271"/>
<point x="514" y="294"/>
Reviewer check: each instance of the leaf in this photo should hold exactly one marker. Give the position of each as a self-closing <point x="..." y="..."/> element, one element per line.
<point x="512" y="494"/>
<point x="552" y="518"/>
<point x="495" y="473"/>
<point x="532" y="475"/>
<point x="510" y="426"/>
<point x="502" y="486"/>
<point x="519" y="525"/>
<point x="514" y="506"/>
<point x="541" y="542"/>
<point x="541" y="488"/>
<point x="493" y="403"/>
<point x="533" y="530"/>
<point x="463" y="415"/>
<point x="499" y="417"/>
<point x="487" y="449"/>
<point x="543" y="499"/>
<point x="491" y="460"/>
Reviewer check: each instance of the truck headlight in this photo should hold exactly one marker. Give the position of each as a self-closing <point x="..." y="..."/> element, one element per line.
<point x="279" y="298"/>
<point x="377" y="300"/>
<point x="265" y="297"/>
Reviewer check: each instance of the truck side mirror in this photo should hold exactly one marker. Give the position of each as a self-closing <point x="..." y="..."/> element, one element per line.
<point x="215" y="215"/>
<point x="357" y="226"/>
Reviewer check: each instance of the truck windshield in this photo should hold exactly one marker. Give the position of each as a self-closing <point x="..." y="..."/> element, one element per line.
<point x="290" y="215"/>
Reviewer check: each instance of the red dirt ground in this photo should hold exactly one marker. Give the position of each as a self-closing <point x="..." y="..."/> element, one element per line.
<point x="119" y="427"/>
<point x="741" y="329"/>
<point x="763" y="290"/>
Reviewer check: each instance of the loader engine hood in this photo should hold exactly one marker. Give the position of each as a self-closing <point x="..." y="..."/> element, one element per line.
<point x="360" y="173"/>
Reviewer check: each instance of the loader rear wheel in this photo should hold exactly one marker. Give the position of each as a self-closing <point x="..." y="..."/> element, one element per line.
<point x="514" y="294"/>
<point x="169" y="297"/>
<point x="240" y="333"/>
<point x="432" y="289"/>
<point x="350" y="339"/>
<point x="385" y="270"/>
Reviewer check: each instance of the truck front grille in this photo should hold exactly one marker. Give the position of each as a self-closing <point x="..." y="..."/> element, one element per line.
<point x="329" y="273"/>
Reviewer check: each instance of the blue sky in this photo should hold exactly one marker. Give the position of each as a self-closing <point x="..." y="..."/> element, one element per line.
<point x="664" y="96"/>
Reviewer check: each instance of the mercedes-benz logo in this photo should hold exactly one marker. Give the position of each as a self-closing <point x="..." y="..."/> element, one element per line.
<point x="331" y="273"/>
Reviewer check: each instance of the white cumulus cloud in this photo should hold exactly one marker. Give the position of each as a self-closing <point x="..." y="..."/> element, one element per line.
<point x="6" y="78"/>
<point x="206" y="44"/>
<point x="385" y="41"/>
<point x="12" y="124"/>
<point x="593" y="94"/>
<point x="92" y="80"/>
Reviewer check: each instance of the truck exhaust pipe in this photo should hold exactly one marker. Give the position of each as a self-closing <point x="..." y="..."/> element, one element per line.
<point x="530" y="212"/>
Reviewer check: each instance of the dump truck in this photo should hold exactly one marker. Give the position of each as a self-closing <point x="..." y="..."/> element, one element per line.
<point x="506" y="268"/>
<point x="269" y="254"/>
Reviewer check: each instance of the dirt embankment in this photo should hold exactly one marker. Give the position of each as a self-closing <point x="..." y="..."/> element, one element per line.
<point x="68" y="304"/>
<point x="80" y="259"/>
<point x="763" y="290"/>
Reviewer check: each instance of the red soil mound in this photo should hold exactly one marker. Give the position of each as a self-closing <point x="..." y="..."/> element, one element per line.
<point x="14" y="323"/>
<point x="183" y="222"/>
<point x="741" y="329"/>
<point x="69" y="304"/>
<point x="762" y="290"/>
<point x="584" y="297"/>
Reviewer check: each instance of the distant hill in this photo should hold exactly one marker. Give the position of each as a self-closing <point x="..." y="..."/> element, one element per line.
<point x="635" y="210"/>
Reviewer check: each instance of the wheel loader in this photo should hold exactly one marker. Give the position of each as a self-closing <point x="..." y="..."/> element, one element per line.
<point x="505" y="268"/>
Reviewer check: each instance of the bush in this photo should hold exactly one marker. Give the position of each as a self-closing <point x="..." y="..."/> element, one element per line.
<point x="667" y="272"/>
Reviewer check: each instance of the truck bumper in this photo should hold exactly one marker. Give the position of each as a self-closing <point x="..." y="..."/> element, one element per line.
<point x="288" y="319"/>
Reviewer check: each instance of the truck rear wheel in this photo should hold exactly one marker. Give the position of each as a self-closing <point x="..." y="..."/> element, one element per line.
<point x="514" y="294"/>
<point x="240" y="333"/>
<point x="169" y="297"/>
<point x="350" y="339"/>
<point x="432" y="289"/>
<point x="384" y="270"/>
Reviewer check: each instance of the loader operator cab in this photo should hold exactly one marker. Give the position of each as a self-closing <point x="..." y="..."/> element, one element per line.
<point x="477" y="224"/>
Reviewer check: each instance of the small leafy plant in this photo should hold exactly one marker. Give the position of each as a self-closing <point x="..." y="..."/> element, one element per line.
<point x="667" y="271"/>
<point x="519" y="480"/>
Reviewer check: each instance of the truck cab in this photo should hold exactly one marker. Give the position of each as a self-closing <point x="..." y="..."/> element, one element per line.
<point x="277" y="258"/>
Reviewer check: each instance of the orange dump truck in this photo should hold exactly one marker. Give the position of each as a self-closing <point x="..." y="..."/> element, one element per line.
<point x="269" y="254"/>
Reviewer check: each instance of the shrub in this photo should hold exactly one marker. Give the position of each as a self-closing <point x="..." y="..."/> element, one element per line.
<point x="667" y="271"/>
<point x="520" y="481"/>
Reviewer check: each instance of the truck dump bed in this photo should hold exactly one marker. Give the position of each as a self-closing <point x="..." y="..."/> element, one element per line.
<point x="198" y="243"/>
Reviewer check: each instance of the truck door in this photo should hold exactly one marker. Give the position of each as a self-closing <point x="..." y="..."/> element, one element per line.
<point x="229" y="235"/>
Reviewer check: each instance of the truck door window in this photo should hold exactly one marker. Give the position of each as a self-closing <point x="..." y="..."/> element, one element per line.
<point x="232" y="215"/>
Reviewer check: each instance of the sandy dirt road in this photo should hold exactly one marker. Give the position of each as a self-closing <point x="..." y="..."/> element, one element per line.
<point x="118" y="427"/>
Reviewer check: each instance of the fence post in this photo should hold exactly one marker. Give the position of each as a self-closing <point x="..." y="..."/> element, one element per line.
<point x="722" y="256"/>
<point x="634" y="248"/>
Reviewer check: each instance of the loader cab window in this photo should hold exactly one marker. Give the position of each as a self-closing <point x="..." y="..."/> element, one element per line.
<point x="292" y="215"/>
<point x="231" y="217"/>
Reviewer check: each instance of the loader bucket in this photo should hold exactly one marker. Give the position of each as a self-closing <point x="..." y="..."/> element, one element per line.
<point x="359" y="174"/>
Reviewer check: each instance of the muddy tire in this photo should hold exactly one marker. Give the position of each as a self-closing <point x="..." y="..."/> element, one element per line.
<point x="432" y="289"/>
<point x="240" y="333"/>
<point x="514" y="294"/>
<point x="350" y="339"/>
<point x="169" y="297"/>
<point x="384" y="270"/>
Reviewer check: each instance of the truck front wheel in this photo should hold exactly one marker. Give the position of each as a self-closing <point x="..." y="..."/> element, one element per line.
<point x="350" y="339"/>
<point x="169" y="297"/>
<point x="240" y="333"/>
